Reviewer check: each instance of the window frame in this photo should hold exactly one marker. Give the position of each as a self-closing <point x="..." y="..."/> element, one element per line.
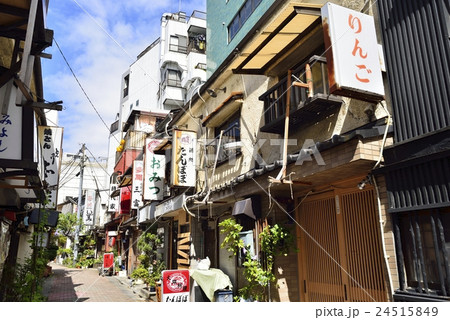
<point x="239" y="20"/>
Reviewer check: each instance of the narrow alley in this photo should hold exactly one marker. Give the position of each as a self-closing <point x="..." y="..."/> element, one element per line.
<point x="85" y="285"/>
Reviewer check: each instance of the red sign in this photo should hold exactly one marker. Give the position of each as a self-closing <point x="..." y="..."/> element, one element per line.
<point x="108" y="260"/>
<point x="175" y="286"/>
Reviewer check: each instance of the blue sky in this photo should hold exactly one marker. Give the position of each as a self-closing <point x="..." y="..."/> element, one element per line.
<point x="100" y="39"/>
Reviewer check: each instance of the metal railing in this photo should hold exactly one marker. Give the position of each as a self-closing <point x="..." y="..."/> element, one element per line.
<point x="227" y="149"/>
<point x="178" y="48"/>
<point x="275" y="98"/>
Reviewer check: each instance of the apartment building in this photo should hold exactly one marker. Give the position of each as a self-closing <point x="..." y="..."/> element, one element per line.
<point x="148" y="94"/>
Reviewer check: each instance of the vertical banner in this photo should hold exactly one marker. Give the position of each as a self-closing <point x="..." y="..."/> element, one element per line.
<point x="353" y="60"/>
<point x="113" y="203"/>
<point x="175" y="285"/>
<point x="11" y="134"/>
<point x="155" y="167"/>
<point x="184" y="158"/>
<point x="138" y="178"/>
<point x="50" y="140"/>
<point x="89" y="207"/>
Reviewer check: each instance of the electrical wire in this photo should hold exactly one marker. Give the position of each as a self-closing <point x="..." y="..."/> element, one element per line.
<point x="81" y="87"/>
<point x="90" y="152"/>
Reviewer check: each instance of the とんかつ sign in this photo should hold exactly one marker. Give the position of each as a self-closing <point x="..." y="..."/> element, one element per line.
<point x="175" y="286"/>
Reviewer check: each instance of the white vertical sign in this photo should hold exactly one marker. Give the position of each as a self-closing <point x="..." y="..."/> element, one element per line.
<point x="113" y="203"/>
<point x="184" y="158"/>
<point x="155" y="167"/>
<point x="10" y="127"/>
<point x="50" y="139"/>
<point x="353" y="52"/>
<point x="89" y="206"/>
<point x="138" y="178"/>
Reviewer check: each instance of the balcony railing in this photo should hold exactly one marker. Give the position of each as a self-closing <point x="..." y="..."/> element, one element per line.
<point x="229" y="146"/>
<point x="178" y="48"/>
<point x="197" y="43"/>
<point x="306" y="103"/>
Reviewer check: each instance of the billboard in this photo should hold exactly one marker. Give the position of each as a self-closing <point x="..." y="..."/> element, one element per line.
<point x="184" y="158"/>
<point x="50" y="140"/>
<point x="155" y="169"/>
<point x="353" y="59"/>
<point x="175" y="285"/>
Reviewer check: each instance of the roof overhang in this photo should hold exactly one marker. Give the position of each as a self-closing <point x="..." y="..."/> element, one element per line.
<point x="20" y="186"/>
<point x="280" y="38"/>
<point x="229" y="106"/>
<point x="14" y="16"/>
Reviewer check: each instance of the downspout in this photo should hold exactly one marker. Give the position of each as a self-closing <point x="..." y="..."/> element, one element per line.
<point x="380" y="218"/>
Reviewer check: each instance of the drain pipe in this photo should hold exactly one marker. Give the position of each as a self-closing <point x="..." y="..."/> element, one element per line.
<point x="380" y="217"/>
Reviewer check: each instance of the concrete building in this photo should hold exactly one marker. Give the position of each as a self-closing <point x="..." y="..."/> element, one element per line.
<point x="310" y="172"/>
<point x="149" y="93"/>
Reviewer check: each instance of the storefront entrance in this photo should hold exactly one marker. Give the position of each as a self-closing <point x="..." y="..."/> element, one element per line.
<point x="340" y="256"/>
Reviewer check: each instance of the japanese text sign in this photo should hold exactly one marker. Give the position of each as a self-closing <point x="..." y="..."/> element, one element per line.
<point x="138" y="179"/>
<point x="175" y="286"/>
<point x="184" y="158"/>
<point x="89" y="205"/>
<point x="155" y="167"/>
<point x="50" y="139"/>
<point x="113" y="203"/>
<point x="11" y="134"/>
<point x="353" y="60"/>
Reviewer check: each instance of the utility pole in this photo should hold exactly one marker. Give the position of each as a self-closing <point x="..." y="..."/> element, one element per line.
<point x="80" y="195"/>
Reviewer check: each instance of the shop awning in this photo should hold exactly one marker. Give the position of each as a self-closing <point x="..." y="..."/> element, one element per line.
<point x="147" y="213"/>
<point x="170" y="207"/>
<point x="282" y="36"/>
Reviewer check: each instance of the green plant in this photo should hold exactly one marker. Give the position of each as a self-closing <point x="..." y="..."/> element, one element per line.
<point x="259" y="274"/>
<point x="151" y="264"/>
<point x="232" y="241"/>
<point x="86" y="255"/>
<point x="25" y="280"/>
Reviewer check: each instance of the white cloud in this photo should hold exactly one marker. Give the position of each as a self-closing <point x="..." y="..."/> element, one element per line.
<point x="97" y="60"/>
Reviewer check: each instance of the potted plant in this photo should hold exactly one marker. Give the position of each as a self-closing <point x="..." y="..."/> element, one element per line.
<point x="275" y="240"/>
<point x="151" y="264"/>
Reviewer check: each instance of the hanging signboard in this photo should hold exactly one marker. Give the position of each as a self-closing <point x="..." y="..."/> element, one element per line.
<point x="10" y="125"/>
<point x="138" y="179"/>
<point x="183" y="158"/>
<point x="353" y="60"/>
<point x="113" y="203"/>
<point x="89" y="206"/>
<point x="50" y="139"/>
<point x="175" y="286"/>
<point x="155" y="167"/>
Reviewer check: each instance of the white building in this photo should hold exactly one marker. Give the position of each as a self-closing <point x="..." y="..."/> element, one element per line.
<point x="95" y="178"/>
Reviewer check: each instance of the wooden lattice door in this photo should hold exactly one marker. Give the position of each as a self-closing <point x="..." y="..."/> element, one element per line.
<point x="340" y="255"/>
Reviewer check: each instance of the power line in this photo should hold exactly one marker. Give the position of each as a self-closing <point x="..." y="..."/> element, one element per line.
<point x="98" y="162"/>
<point x="81" y="87"/>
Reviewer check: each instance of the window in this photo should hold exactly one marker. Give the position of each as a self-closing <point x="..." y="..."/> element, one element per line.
<point x="137" y="103"/>
<point x="229" y="148"/>
<point x="173" y="78"/>
<point x="425" y="247"/>
<point x="178" y="44"/>
<point x="126" y="84"/>
<point x="242" y="16"/>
